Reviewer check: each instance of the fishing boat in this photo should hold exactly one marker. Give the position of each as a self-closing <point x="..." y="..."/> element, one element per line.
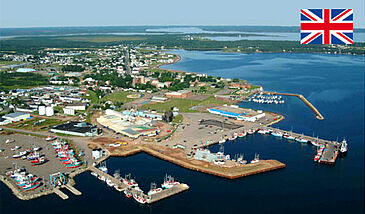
<point x="154" y="189"/>
<point x="103" y="167"/>
<point x="74" y="164"/>
<point x="129" y="181"/>
<point x="38" y="161"/>
<point x="263" y="131"/>
<point x="242" y="134"/>
<point x="31" y="186"/>
<point x="20" y="154"/>
<point x="256" y="159"/>
<point x="139" y="198"/>
<point x="315" y="143"/>
<point x="94" y="174"/>
<point x="277" y="134"/>
<point x="288" y="136"/>
<point x="33" y="156"/>
<point x="50" y="138"/>
<point x="232" y="138"/>
<point x="169" y="182"/>
<point x="343" y="148"/>
<point x="102" y="178"/>
<point x="36" y="148"/>
<point x="15" y="148"/>
<point x="251" y="131"/>
<point x="301" y="140"/>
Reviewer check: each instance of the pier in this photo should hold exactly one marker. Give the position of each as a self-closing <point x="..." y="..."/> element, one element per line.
<point x="319" y="116"/>
<point x="62" y="195"/>
<point x="331" y="147"/>
<point x="151" y="198"/>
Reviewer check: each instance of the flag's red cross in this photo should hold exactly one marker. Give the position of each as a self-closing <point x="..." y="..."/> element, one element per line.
<point x="326" y="26"/>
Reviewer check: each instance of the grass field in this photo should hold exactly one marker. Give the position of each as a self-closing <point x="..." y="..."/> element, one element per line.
<point x="31" y="126"/>
<point x="103" y="38"/>
<point x="118" y="96"/>
<point x="183" y="104"/>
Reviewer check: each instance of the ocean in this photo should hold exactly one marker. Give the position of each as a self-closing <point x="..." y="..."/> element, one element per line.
<point x="333" y="83"/>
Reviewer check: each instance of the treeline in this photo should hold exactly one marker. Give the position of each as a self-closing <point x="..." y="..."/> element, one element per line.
<point x="73" y="68"/>
<point x="113" y="77"/>
<point x="22" y="79"/>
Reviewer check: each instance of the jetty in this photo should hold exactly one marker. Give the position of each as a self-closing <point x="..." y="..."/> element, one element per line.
<point x="319" y="116"/>
<point x="150" y="198"/>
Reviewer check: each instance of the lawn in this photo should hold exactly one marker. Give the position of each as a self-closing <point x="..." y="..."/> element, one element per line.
<point x="3" y="62"/>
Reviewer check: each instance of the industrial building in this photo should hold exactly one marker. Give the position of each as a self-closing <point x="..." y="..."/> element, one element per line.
<point x="76" y="128"/>
<point x="178" y="94"/>
<point x="17" y="116"/>
<point x="132" y="124"/>
<point x="237" y="113"/>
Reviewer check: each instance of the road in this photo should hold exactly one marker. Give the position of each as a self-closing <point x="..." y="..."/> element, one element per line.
<point x="127" y="68"/>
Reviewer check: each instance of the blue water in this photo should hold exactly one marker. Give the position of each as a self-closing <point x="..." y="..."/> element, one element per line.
<point x="334" y="84"/>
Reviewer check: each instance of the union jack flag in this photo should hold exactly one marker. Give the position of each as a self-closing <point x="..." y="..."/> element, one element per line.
<point x="326" y="26"/>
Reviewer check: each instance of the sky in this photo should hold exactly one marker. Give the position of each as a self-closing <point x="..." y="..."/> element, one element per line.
<point x="49" y="13"/>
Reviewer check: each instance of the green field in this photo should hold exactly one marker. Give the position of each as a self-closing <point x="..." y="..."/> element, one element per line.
<point x="118" y="96"/>
<point x="184" y="105"/>
<point x="30" y="124"/>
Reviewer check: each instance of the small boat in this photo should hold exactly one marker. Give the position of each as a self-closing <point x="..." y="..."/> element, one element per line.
<point x="315" y="143"/>
<point x="94" y="174"/>
<point x="263" y="131"/>
<point x="222" y="141"/>
<point x="9" y="141"/>
<point x="50" y="138"/>
<point x="317" y="157"/>
<point x="232" y="138"/>
<point x="36" y="149"/>
<point x="15" y="148"/>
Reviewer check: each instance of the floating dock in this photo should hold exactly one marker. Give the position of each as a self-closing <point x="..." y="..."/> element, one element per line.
<point x="61" y="194"/>
<point x="301" y="97"/>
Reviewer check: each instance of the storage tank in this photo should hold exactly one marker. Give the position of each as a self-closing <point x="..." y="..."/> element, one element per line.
<point x="49" y="111"/>
<point x="41" y="110"/>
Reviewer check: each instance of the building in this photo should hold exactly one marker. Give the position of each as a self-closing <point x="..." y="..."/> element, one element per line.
<point x="159" y="99"/>
<point x="42" y="110"/>
<point x="97" y="153"/>
<point x="205" y="155"/>
<point x="178" y="94"/>
<point x="146" y="114"/>
<point x="49" y="111"/>
<point x="17" y="116"/>
<point x="76" y="128"/>
<point x="237" y="113"/>
<point x="79" y="107"/>
<point x="69" y="111"/>
<point x="241" y="85"/>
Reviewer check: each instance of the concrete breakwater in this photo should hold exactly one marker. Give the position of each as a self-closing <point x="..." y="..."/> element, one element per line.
<point x="319" y="116"/>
